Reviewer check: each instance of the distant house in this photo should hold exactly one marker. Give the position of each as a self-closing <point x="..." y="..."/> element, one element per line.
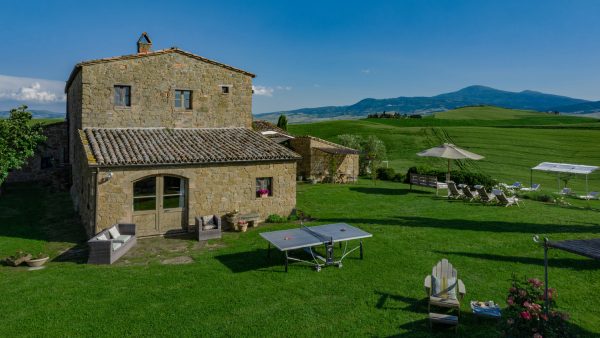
<point x="325" y="161"/>
<point x="159" y="137"/>
<point x="271" y="131"/>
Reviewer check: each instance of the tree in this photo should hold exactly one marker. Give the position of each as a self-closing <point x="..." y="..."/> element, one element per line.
<point x="375" y="152"/>
<point x="19" y="138"/>
<point x="282" y="122"/>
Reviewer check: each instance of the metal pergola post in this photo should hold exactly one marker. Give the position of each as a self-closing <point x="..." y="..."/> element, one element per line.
<point x="536" y="239"/>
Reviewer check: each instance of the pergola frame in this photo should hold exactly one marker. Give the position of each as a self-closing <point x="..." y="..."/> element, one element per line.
<point x="564" y="168"/>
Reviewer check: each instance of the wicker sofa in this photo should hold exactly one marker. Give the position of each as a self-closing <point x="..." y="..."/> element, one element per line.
<point x="105" y="248"/>
<point x="208" y="227"/>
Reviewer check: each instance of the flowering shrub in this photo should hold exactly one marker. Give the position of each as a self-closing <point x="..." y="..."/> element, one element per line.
<point x="525" y="315"/>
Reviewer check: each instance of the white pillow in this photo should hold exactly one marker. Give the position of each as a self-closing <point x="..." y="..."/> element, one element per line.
<point x="114" y="232"/>
<point x="102" y="237"/>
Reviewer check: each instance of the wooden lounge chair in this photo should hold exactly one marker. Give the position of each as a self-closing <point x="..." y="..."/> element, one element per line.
<point x="504" y="200"/>
<point x="470" y="195"/>
<point x="484" y="196"/>
<point x="453" y="191"/>
<point x="444" y="290"/>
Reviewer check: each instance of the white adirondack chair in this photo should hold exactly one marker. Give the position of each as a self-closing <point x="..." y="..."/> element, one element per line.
<point x="444" y="289"/>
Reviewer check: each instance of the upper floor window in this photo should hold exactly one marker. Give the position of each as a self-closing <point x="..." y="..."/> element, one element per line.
<point x="183" y="99"/>
<point x="123" y="96"/>
<point x="225" y="89"/>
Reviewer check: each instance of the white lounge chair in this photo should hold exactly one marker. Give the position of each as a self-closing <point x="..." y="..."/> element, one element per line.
<point x="566" y="191"/>
<point x="504" y="200"/>
<point x="515" y="186"/>
<point x="591" y="196"/>
<point x="453" y="191"/>
<point x="470" y="195"/>
<point x="534" y="187"/>
<point x="484" y="196"/>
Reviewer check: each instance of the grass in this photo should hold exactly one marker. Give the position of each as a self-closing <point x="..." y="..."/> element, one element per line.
<point x="510" y="146"/>
<point x="232" y="290"/>
<point x="487" y="113"/>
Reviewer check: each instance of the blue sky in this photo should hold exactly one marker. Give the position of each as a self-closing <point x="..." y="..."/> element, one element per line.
<point x="309" y="54"/>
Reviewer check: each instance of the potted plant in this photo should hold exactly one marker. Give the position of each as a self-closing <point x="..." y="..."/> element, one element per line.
<point x="38" y="260"/>
<point x="243" y="226"/>
<point x="18" y="258"/>
<point x="263" y="193"/>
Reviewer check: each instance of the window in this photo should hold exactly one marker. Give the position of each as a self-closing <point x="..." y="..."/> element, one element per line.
<point x="173" y="192"/>
<point x="225" y="89"/>
<point x="144" y="194"/>
<point x="264" y="187"/>
<point x="46" y="162"/>
<point x="183" y="99"/>
<point x="123" y="96"/>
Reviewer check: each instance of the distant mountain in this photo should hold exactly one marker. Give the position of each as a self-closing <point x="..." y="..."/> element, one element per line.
<point x="589" y="107"/>
<point x="37" y="114"/>
<point x="469" y="96"/>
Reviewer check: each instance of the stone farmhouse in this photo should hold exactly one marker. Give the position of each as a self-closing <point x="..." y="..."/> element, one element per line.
<point x="324" y="161"/>
<point x="159" y="137"/>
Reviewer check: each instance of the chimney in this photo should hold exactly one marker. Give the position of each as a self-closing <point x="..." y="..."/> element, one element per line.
<point x="144" y="44"/>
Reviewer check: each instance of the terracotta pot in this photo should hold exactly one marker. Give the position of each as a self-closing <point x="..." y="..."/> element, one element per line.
<point x="243" y="227"/>
<point x="264" y="195"/>
<point x="37" y="262"/>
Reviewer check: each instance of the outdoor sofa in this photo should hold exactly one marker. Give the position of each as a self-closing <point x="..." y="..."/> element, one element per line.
<point x="109" y="245"/>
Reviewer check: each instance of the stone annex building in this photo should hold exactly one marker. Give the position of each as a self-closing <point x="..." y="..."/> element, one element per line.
<point x="159" y="137"/>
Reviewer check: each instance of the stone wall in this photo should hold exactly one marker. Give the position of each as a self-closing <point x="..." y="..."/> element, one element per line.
<point x="50" y="162"/>
<point x="74" y="102"/>
<point x="153" y="80"/>
<point x="83" y="185"/>
<point x="213" y="189"/>
<point x="317" y="164"/>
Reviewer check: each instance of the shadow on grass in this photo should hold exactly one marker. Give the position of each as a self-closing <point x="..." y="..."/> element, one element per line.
<point x="252" y="260"/>
<point x="388" y="301"/>
<point x="77" y="254"/>
<point x="566" y="263"/>
<point x="387" y="191"/>
<point x="470" y="225"/>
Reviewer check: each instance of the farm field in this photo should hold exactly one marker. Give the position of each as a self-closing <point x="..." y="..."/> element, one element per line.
<point x="510" y="146"/>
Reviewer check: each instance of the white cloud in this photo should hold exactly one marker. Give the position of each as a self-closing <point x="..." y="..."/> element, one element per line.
<point x="269" y="91"/>
<point x="366" y="71"/>
<point x="30" y="90"/>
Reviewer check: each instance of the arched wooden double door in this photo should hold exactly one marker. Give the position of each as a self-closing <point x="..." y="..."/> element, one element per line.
<point x="159" y="204"/>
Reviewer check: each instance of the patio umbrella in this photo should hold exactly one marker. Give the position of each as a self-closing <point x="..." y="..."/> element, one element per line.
<point x="451" y="152"/>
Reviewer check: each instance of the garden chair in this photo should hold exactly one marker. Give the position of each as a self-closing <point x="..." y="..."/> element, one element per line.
<point x="515" y="186"/>
<point x="484" y="196"/>
<point x="453" y="191"/>
<point x="566" y="191"/>
<point x="445" y="290"/>
<point x="534" y="187"/>
<point x="470" y="195"/>
<point x="591" y="196"/>
<point x="506" y="201"/>
<point x="208" y="227"/>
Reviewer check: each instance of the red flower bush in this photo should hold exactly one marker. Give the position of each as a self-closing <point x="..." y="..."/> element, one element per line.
<point x="526" y="315"/>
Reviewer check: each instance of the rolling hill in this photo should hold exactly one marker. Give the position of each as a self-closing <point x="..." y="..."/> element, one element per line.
<point x="469" y="96"/>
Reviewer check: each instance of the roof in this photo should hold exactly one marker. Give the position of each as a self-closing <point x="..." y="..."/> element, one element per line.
<point x="338" y="151"/>
<point x="335" y="145"/>
<point x="268" y="128"/>
<point x="565" y="168"/>
<point x="584" y="247"/>
<point x="142" y="55"/>
<point x="165" y="146"/>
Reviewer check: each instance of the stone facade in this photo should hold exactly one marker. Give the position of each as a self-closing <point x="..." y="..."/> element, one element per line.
<point x="103" y="195"/>
<point x="50" y="160"/>
<point x="317" y="164"/>
<point x="212" y="189"/>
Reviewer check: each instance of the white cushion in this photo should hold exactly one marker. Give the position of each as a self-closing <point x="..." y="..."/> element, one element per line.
<point x="114" y="232"/>
<point x="123" y="238"/>
<point x="116" y="245"/>
<point x="102" y="237"/>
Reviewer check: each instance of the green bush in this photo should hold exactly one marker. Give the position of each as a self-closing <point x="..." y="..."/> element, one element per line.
<point x="274" y="218"/>
<point x="464" y="177"/>
<point x="398" y="177"/>
<point x="537" y="196"/>
<point x="385" y="174"/>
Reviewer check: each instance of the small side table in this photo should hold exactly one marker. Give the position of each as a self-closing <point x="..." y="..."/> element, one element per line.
<point x="482" y="309"/>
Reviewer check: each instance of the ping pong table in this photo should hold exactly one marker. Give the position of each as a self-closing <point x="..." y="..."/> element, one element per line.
<point x="308" y="238"/>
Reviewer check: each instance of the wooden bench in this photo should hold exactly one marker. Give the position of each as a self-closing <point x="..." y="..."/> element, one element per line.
<point x="427" y="181"/>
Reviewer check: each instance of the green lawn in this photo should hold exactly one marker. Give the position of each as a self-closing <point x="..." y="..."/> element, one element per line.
<point x="232" y="290"/>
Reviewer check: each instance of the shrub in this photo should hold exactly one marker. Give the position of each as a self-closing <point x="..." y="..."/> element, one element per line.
<point x="274" y="218"/>
<point x="525" y="315"/>
<point x="537" y="196"/>
<point x="398" y="178"/>
<point x="465" y="177"/>
<point x="385" y="174"/>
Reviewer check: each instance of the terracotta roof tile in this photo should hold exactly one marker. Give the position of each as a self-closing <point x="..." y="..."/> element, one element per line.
<point x="159" y="146"/>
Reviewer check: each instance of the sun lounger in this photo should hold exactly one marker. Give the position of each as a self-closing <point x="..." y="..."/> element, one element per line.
<point x="453" y="191"/>
<point x="534" y="187"/>
<point x="484" y="196"/>
<point x="566" y="191"/>
<point x="470" y="195"/>
<point x="504" y="200"/>
<point x="591" y="196"/>
<point x="515" y="186"/>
